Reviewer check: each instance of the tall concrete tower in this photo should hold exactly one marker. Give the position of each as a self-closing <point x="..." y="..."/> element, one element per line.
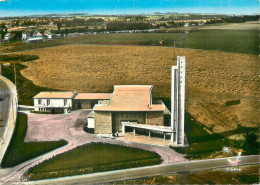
<point x="178" y="100"/>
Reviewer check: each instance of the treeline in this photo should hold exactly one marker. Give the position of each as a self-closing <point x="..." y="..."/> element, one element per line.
<point x="79" y="22"/>
<point x="241" y="19"/>
<point x="116" y="26"/>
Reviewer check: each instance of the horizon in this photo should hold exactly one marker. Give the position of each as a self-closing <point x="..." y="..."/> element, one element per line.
<point x="11" y="8"/>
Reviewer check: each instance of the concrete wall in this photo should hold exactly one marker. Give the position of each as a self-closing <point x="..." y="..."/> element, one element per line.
<point x="155" y="118"/>
<point x="103" y="122"/>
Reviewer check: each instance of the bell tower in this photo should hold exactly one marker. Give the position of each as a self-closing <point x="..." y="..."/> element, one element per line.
<point x="178" y="100"/>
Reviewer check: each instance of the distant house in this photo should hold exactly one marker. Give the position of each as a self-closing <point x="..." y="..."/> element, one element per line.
<point x="25" y="35"/>
<point x="186" y="24"/>
<point x="8" y="37"/>
<point x="47" y="34"/>
<point x="51" y="23"/>
<point x="54" y="102"/>
<point x="37" y="34"/>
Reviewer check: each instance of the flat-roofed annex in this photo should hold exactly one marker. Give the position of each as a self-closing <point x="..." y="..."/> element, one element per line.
<point x="93" y="96"/>
<point x="131" y="98"/>
<point x="55" y="95"/>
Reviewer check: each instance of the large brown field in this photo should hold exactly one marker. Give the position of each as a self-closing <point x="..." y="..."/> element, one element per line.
<point x="214" y="79"/>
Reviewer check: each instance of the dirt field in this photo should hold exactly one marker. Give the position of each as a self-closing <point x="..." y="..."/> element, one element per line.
<point x="214" y="79"/>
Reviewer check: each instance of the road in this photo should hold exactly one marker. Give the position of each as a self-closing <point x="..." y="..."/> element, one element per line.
<point x="4" y="106"/>
<point x="8" y="110"/>
<point x="120" y="175"/>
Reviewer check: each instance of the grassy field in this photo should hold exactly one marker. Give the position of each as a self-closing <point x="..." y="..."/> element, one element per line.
<point x="18" y="151"/>
<point x="26" y="88"/>
<point x="214" y="78"/>
<point x="93" y="158"/>
<point x="247" y="175"/>
<point x="203" y="145"/>
<point x="238" y="41"/>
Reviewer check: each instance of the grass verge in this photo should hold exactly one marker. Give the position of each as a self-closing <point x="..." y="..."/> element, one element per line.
<point x="204" y="145"/>
<point x="18" y="151"/>
<point x="92" y="158"/>
<point x="247" y="175"/>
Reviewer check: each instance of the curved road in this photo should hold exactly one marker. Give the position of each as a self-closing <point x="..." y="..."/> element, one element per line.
<point x="5" y="95"/>
<point x="120" y="175"/>
<point x="8" y="113"/>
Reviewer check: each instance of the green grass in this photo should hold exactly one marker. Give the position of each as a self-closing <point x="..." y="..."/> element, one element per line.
<point x="237" y="41"/>
<point x="92" y="158"/>
<point x="18" y="151"/>
<point x="23" y="58"/>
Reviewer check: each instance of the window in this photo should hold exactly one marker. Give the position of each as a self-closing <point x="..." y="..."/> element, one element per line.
<point x="48" y="102"/>
<point x="65" y="102"/>
<point x="39" y="101"/>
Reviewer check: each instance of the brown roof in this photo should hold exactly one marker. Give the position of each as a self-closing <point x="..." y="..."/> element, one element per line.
<point x="131" y="98"/>
<point x="93" y="96"/>
<point x="55" y="95"/>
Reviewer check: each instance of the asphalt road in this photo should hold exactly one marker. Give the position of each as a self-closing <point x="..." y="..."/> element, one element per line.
<point x="4" y="106"/>
<point x="157" y="170"/>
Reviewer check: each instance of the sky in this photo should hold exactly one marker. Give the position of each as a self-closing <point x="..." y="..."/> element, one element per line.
<point x="32" y="7"/>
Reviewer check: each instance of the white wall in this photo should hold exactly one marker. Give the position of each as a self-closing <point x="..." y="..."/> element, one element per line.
<point x="91" y="123"/>
<point x="53" y="103"/>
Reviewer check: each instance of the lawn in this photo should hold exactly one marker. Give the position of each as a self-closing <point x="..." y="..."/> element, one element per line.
<point x="18" y="151"/>
<point x="92" y="158"/>
<point x="247" y="175"/>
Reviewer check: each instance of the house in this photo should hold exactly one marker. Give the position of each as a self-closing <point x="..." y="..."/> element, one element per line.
<point x="8" y="37"/>
<point x="37" y="34"/>
<point x="47" y="34"/>
<point x="54" y="102"/>
<point x="25" y="35"/>
<point x="89" y="100"/>
<point x="186" y="24"/>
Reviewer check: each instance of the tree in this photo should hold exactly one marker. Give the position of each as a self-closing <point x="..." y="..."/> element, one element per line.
<point x="251" y="146"/>
<point x="59" y="25"/>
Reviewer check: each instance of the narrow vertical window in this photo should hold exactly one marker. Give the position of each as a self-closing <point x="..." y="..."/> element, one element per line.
<point x="65" y="102"/>
<point x="39" y="101"/>
<point x="48" y="102"/>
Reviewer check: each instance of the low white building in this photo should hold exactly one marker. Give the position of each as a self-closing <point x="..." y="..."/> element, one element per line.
<point x="54" y="102"/>
<point x="25" y="35"/>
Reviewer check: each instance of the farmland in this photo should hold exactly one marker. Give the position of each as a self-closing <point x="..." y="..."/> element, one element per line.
<point x="237" y="41"/>
<point x="214" y="78"/>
